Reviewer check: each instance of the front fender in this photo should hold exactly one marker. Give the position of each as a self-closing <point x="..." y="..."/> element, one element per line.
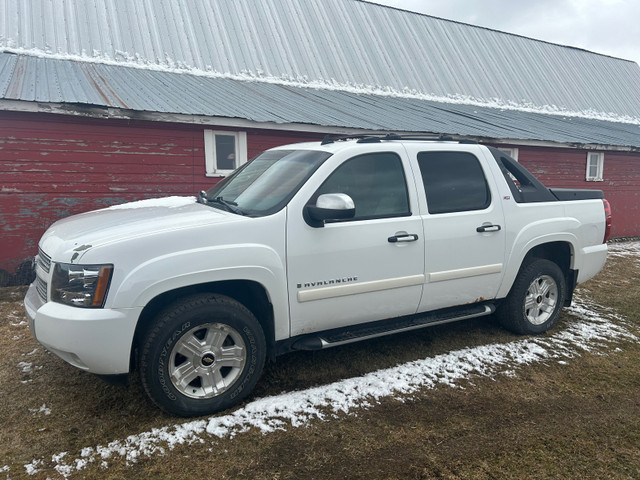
<point x="253" y="262"/>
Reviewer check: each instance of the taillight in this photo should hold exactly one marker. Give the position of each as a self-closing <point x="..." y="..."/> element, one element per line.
<point x="607" y="214"/>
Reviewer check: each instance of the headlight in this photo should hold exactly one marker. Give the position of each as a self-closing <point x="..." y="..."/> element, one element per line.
<point x="81" y="285"/>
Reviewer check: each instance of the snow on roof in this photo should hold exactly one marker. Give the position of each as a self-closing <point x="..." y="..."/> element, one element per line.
<point x="367" y="48"/>
<point x="270" y="104"/>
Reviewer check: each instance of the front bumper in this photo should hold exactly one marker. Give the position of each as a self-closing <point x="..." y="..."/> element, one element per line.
<point x="93" y="339"/>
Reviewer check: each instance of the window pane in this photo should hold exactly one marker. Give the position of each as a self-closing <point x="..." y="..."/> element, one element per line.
<point x="376" y="184"/>
<point x="265" y="184"/>
<point x="225" y="152"/>
<point x="593" y="164"/>
<point x="453" y="182"/>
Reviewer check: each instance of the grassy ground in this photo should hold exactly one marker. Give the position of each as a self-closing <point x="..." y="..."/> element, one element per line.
<point x="576" y="419"/>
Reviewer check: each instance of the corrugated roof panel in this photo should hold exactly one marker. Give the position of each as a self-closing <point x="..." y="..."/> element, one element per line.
<point x="307" y="41"/>
<point x="63" y="81"/>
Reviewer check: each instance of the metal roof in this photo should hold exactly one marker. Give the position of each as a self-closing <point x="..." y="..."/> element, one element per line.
<point x="49" y="80"/>
<point x="364" y="46"/>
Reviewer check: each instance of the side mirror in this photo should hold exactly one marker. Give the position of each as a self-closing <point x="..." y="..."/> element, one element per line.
<point x="330" y="206"/>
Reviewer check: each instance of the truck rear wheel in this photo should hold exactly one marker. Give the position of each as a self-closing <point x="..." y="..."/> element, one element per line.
<point x="536" y="298"/>
<point x="203" y="354"/>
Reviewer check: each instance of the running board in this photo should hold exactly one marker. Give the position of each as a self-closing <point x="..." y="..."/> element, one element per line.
<point x="343" y="336"/>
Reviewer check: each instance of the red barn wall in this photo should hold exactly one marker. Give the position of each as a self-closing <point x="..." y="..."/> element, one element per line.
<point x="53" y="166"/>
<point x="563" y="167"/>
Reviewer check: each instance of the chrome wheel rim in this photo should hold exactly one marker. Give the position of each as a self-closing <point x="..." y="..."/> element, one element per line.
<point x="541" y="299"/>
<point x="207" y="360"/>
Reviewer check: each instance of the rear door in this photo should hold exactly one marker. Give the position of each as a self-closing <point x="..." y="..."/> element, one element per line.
<point x="464" y="226"/>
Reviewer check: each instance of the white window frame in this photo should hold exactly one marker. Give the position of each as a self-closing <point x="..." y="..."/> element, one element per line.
<point x="599" y="159"/>
<point x="212" y="169"/>
<point x="512" y="152"/>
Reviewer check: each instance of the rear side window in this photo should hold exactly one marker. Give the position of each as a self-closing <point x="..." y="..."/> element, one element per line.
<point x="453" y="182"/>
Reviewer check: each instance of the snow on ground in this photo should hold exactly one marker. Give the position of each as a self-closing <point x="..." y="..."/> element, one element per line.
<point x="625" y="249"/>
<point x="593" y="329"/>
<point x="25" y="367"/>
<point x="170" y="202"/>
<point x="43" y="409"/>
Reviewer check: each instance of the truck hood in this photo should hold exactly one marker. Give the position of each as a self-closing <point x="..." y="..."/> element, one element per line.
<point x="68" y="239"/>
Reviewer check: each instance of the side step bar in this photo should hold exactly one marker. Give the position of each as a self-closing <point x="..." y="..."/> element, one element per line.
<point x="356" y="333"/>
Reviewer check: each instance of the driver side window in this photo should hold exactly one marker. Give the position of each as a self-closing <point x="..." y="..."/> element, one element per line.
<point x="376" y="184"/>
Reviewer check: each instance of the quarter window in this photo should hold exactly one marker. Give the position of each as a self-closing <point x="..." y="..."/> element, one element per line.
<point x="453" y="182"/>
<point x="376" y="184"/>
<point x="224" y="151"/>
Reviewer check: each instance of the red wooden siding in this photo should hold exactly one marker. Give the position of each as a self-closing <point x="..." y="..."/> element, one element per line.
<point x="567" y="168"/>
<point x="53" y="166"/>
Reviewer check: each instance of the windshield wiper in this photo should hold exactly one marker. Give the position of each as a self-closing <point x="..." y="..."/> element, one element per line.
<point x="228" y="205"/>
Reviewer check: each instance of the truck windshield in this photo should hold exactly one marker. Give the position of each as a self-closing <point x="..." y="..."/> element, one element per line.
<point x="265" y="184"/>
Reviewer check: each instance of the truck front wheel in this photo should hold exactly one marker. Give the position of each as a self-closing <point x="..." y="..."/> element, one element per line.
<point x="203" y="354"/>
<point x="536" y="298"/>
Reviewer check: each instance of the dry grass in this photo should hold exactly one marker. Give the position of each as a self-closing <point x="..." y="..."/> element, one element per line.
<point x="574" y="420"/>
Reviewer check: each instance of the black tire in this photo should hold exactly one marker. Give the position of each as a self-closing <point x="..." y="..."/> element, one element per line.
<point x="203" y="354"/>
<point x="536" y="298"/>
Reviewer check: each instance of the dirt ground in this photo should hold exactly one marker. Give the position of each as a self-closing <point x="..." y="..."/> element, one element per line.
<point x="578" y="418"/>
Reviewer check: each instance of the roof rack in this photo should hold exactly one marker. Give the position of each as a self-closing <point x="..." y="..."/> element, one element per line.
<point x="373" y="138"/>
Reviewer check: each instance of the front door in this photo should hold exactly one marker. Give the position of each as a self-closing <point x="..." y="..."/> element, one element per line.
<point x="367" y="268"/>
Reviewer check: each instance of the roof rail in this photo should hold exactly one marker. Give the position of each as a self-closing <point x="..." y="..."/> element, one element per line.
<point x="373" y="138"/>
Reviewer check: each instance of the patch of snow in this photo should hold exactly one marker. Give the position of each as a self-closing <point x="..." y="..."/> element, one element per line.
<point x="169" y="202"/>
<point x="624" y="249"/>
<point x="32" y="468"/>
<point x="590" y="331"/>
<point x="25" y="366"/>
<point x="6" y="468"/>
<point x="19" y="324"/>
<point x="42" y="409"/>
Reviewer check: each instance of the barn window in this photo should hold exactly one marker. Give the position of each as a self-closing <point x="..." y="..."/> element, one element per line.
<point x="224" y="151"/>
<point x="512" y="152"/>
<point x="595" y="164"/>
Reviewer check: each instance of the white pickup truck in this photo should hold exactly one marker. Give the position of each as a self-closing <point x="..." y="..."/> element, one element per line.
<point x="309" y="246"/>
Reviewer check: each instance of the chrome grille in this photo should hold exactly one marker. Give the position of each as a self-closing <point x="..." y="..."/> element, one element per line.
<point x="41" y="287"/>
<point x="44" y="260"/>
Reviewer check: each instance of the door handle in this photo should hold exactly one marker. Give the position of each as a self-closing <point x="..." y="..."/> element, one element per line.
<point x="405" y="237"/>
<point x="488" y="228"/>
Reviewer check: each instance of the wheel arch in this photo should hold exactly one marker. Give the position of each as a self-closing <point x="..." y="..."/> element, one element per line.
<point x="251" y="294"/>
<point x="560" y="252"/>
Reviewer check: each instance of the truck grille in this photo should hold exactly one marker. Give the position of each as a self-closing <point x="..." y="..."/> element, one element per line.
<point x="41" y="287"/>
<point x="44" y="262"/>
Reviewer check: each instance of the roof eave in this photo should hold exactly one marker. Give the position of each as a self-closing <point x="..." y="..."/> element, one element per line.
<point x="101" y="112"/>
